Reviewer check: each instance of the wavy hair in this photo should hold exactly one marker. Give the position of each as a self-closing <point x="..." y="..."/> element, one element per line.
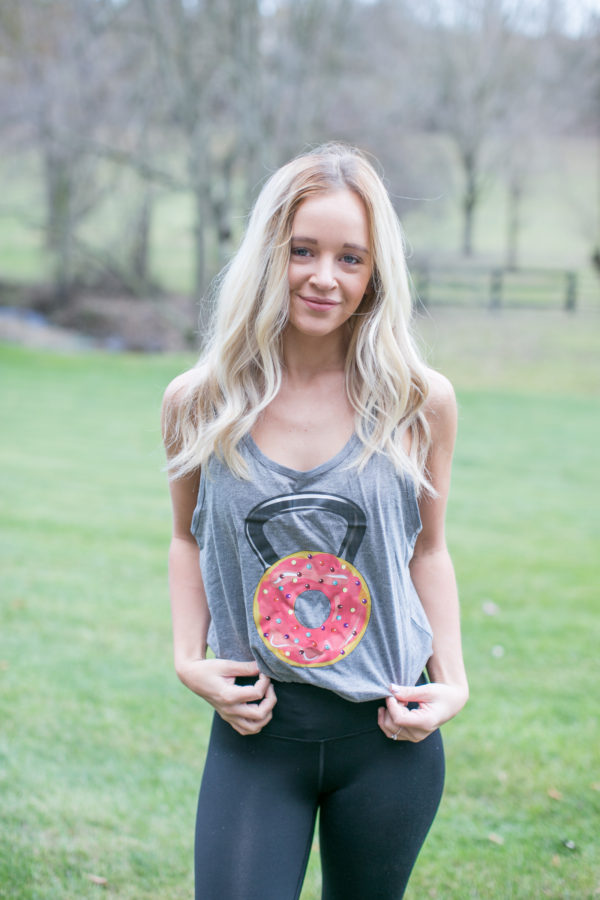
<point x="240" y="371"/>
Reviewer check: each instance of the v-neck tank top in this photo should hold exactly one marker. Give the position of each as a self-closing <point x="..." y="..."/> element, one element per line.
<point x="307" y="572"/>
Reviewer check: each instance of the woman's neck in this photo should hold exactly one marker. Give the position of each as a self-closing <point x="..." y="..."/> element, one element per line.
<point x="305" y="357"/>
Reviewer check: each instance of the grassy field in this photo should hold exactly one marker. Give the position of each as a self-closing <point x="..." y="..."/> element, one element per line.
<point x="101" y="749"/>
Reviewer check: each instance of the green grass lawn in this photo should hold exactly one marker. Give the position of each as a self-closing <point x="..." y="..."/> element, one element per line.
<point x="101" y="749"/>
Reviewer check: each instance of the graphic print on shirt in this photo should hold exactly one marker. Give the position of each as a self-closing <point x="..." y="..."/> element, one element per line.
<point x="313" y="577"/>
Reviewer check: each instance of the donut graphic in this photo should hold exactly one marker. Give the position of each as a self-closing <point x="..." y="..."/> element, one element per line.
<point x="317" y="579"/>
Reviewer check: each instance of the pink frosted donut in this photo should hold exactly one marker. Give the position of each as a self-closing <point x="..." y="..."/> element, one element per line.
<point x="336" y="637"/>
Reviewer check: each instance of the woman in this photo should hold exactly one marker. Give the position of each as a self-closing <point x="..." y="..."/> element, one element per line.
<point x="310" y="453"/>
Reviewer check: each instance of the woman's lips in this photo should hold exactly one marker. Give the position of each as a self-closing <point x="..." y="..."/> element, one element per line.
<point x="320" y="303"/>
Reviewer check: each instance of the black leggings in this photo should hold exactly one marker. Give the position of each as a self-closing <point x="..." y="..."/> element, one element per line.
<point x="260" y="794"/>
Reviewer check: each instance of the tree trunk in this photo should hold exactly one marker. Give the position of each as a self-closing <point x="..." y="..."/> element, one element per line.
<point x="200" y="217"/>
<point x="469" y="202"/>
<point x="246" y="26"/>
<point x="59" y="220"/>
<point x="140" y="252"/>
<point x="221" y="205"/>
<point x="515" y="194"/>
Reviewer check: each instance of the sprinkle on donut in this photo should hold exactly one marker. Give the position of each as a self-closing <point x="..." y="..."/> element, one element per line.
<point x="349" y="608"/>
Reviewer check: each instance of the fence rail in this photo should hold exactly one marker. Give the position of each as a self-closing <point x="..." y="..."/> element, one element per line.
<point x="495" y="288"/>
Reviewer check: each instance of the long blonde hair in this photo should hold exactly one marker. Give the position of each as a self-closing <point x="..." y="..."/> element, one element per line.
<point x="240" y="371"/>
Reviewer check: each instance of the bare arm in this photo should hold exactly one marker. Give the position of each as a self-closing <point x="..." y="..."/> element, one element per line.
<point x="433" y="576"/>
<point x="212" y="679"/>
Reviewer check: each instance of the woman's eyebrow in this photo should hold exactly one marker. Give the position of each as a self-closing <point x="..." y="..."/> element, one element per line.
<point x="357" y="247"/>
<point x="309" y="240"/>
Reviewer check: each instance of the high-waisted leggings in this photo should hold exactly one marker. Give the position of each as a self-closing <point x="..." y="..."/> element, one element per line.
<point x="260" y="794"/>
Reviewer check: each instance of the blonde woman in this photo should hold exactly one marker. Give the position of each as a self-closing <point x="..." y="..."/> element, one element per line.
<point x="310" y="453"/>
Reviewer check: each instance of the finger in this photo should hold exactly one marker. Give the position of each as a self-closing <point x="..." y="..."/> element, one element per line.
<point x="397" y="732"/>
<point x="418" y="694"/>
<point x="409" y="735"/>
<point x="248" y="693"/>
<point x="269" y="700"/>
<point x="262" y="712"/>
<point x="253" y="710"/>
<point x="256" y="710"/>
<point x="263" y="683"/>
<point x="245" y="724"/>
<point x="233" y="668"/>
<point x="243" y="727"/>
<point x="247" y="728"/>
<point x="242" y="724"/>
<point x="421" y="719"/>
<point x="385" y="722"/>
<point x="399" y="712"/>
<point x="250" y="711"/>
<point x="253" y="692"/>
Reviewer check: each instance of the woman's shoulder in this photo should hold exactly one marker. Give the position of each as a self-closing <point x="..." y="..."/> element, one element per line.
<point x="178" y="389"/>
<point x="440" y="405"/>
<point x="174" y="402"/>
<point x="440" y="388"/>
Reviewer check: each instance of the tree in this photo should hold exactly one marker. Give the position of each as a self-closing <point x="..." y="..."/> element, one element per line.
<point x="62" y="69"/>
<point x="204" y="58"/>
<point x="473" y="89"/>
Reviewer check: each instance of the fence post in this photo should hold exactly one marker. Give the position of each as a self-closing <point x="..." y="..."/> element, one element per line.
<point x="496" y="289"/>
<point x="571" y="295"/>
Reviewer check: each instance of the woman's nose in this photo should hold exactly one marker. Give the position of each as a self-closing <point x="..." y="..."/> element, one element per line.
<point x="323" y="276"/>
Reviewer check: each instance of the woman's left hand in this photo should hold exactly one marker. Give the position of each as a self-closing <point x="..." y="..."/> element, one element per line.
<point x="437" y="704"/>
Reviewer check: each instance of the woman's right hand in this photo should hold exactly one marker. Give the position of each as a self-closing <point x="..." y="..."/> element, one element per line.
<point x="214" y="680"/>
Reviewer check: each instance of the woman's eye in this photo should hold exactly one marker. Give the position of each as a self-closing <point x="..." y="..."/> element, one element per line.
<point x="300" y="251"/>
<point x="350" y="259"/>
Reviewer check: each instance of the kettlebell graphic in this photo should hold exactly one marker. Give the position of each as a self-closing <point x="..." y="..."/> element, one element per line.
<point x="287" y="579"/>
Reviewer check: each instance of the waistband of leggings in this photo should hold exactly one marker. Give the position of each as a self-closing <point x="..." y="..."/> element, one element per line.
<point x="304" y="712"/>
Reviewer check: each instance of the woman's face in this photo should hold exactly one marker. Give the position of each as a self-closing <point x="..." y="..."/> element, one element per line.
<point x="330" y="261"/>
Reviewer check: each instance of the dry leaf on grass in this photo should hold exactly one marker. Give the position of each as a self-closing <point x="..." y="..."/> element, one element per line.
<point x="97" y="879"/>
<point x="554" y="793"/>
<point x="490" y="608"/>
<point x="495" y="838"/>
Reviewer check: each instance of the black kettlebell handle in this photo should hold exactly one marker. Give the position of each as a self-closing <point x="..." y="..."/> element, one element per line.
<point x="257" y="517"/>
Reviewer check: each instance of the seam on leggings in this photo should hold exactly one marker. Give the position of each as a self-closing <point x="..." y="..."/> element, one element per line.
<point x="302" y="740"/>
<point x="321" y="765"/>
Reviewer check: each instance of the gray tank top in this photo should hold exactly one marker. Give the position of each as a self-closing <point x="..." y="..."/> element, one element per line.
<point x="308" y="572"/>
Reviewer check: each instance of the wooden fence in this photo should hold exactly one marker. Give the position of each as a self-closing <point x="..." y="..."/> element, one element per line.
<point x="494" y="288"/>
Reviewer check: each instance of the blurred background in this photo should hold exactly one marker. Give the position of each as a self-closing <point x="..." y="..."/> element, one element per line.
<point x="134" y="135"/>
